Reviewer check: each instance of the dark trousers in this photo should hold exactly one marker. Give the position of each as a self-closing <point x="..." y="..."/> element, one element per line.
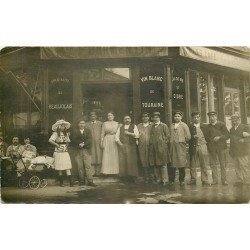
<point x="172" y="172"/>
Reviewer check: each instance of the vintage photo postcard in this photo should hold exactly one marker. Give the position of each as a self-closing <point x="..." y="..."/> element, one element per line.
<point x="125" y="125"/>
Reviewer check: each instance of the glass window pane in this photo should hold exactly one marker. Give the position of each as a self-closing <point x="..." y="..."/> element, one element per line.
<point x="203" y="80"/>
<point x="193" y="91"/>
<point x="228" y="104"/>
<point x="236" y="103"/>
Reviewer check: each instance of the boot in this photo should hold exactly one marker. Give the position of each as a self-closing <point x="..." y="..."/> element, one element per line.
<point x="71" y="183"/>
<point x="61" y="180"/>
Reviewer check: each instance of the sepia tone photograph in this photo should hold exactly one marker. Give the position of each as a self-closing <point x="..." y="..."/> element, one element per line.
<point x="125" y="125"/>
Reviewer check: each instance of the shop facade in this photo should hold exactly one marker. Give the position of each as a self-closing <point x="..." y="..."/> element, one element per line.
<point x="130" y="80"/>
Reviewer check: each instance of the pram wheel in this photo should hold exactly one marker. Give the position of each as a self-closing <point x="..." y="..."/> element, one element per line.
<point x="23" y="182"/>
<point x="43" y="183"/>
<point x="34" y="182"/>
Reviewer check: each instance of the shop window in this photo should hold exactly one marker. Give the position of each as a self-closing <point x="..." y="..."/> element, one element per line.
<point x="203" y="86"/>
<point x="105" y="74"/>
<point x="203" y="93"/>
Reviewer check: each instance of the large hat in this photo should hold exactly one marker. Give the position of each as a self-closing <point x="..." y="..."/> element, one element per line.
<point x="60" y="122"/>
<point x="212" y="113"/>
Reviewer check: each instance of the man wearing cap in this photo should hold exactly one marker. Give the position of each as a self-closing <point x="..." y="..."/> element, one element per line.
<point x="158" y="149"/>
<point x="179" y="136"/>
<point x="143" y="145"/>
<point x="216" y="137"/>
<point x="239" y="149"/>
<point x="198" y="149"/>
<point x="95" y="127"/>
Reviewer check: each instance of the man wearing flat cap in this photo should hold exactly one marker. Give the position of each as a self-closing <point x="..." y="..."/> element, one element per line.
<point x="179" y="136"/>
<point x="216" y="137"/>
<point x="158" y="149"/>
<point x="239" y="149"/>
<point x="198" y="149"/>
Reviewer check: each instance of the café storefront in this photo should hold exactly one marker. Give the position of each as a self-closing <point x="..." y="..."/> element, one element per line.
<point x="130" y="80"/>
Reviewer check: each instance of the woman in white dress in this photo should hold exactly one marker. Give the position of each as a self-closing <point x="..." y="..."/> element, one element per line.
<point x="110" y="157"/>
<point x="60" y="139"/>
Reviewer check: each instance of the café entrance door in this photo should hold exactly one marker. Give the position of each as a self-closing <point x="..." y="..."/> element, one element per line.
<point x="105" y="97"/>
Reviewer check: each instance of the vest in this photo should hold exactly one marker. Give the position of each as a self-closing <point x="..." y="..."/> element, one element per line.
<point x="124" y="138"/>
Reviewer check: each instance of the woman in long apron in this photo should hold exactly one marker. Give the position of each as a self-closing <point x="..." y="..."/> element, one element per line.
<point x="110" y="158"/>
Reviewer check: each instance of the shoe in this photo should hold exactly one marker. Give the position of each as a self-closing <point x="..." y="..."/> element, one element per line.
<point x="238" y="184"/>
<point x="171" y="184"/>
<point x="182" y="183"/>
<point x="71" y="183"/>
<point x="225" y="183"/>
<point x="82" y="183"/>
<point x="214" y="183"/>
<point x="206" y="184"/>
<point x="192" y="182"/>
<point x="91" y="184"/>
<point x="61" y="181"/>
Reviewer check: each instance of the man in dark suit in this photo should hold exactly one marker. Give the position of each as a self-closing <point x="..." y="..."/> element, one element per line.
<point x="82" y="140"/>
<point x="216" y="137"/>
<point x="198" y="149"/>
<point x="239" y="149"/>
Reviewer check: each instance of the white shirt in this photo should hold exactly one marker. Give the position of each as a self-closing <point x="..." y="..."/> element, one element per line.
<point x="81" y="130"/>
<point x="197" y="125"/>
<point x="176" y="125"/>
<point x="136" y="132"/>
<point x="145" y="124"/>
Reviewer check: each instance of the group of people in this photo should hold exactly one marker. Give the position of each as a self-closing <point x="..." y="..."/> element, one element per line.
<point x="111" y="148"/>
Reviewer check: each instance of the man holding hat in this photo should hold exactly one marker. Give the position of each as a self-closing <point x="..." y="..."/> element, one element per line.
<point x="239" y="149"/>
<point x="216" y="137"/>
<point x="158" y="149"/>
<point x="198" y="149"/>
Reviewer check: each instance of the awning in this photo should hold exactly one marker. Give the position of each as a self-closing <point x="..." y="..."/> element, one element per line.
<point x="216" y="57"/>
<point x="100" y="52"/>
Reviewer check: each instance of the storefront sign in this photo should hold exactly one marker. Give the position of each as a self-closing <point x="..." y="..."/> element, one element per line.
<point x="60" y="95"/>
<point x="100" y="52"/>
<point x="178" y="91"/>
<point x="216" y="57"/>
<point x="152" y="89"/>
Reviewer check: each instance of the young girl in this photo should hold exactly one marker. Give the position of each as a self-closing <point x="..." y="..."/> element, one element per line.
<point x="60" y="139"/>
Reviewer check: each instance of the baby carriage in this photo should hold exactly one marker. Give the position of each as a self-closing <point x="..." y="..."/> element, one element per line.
<point x="26" y="173"/>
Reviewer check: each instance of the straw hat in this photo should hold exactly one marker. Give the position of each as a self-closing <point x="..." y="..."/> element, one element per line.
<point x="60" y="122"/>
